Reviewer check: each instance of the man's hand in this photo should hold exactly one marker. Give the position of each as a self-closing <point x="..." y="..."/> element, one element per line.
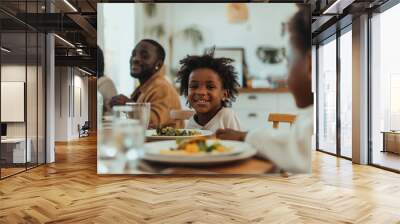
<point x="118" y="100"/>
<point x="229" y="134"/>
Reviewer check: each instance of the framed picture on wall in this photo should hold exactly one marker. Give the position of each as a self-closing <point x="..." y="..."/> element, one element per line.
<point x="238" y="56"/>
<point x="12" y="101"/>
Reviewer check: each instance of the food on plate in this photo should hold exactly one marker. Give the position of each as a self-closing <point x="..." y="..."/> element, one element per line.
<point x="195" y="147"/>
<point x="169" y="131"/>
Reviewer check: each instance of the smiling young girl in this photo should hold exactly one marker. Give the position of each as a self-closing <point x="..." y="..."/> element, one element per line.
<point x="210" y="86"/>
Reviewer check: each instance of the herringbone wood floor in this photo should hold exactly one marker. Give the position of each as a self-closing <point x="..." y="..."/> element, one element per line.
<point x="70" y="191"/>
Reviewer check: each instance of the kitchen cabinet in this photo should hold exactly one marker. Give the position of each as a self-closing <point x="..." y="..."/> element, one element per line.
<point x="253" y="107"/>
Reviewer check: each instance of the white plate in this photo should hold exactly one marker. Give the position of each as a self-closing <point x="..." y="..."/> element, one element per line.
<point x="240" y="150"/>
<point x="151" y="135"/>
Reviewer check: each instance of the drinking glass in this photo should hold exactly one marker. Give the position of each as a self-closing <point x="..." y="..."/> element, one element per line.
<point x="110" y="159"/>
<point x="141" y="112"/>
<point x="122" y="112"/>
<point x="121" y="143"/>
<point x="128" y="137"/>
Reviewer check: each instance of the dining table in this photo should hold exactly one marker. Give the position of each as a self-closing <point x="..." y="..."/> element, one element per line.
<point x="247" y="166"/>
<point x="252" y="165"/>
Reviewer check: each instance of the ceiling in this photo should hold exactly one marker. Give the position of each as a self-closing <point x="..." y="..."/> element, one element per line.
<point x="330" y="16"/>
<point x="76" y="21"/>
<point x="76" y="25"/>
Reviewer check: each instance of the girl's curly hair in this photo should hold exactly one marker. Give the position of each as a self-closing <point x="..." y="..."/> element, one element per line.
<point x="221" y="66"/>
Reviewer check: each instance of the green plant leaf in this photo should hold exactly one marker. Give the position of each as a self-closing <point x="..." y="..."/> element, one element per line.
<point x="157" y="30"/>
<point x="150" y="9"/>
<point x="194" y="34"/>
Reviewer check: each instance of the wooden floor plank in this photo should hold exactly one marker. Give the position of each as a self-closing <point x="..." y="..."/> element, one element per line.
<point x="70" y="191"/>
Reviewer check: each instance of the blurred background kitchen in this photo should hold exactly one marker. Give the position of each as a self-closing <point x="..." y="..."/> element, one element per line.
<point x="254" y="35"/>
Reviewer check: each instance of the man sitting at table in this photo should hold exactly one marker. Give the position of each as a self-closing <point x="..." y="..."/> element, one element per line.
<point x="146" y="65"/>
<point x="289" y="149"/>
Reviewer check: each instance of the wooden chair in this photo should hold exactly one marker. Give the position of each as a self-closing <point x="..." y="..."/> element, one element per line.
<point x="284" y="118"/>
<point x="181" y="115"/>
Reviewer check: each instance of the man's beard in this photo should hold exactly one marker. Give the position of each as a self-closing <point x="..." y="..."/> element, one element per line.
<point x="145" y="73"/>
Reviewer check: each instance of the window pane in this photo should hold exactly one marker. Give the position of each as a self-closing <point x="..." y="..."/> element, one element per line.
<point x="385" y="86"/>
<point x="346" y="94"/>
<point x="327" y="97"/>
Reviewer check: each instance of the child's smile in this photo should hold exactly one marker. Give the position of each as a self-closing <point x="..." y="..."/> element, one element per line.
<point x="201" y="101"/>
<point x="209" y="85"/>
<point x="206" y="92"/>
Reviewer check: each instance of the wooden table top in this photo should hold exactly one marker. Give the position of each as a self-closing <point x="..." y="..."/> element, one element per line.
<point x="248" y="166"/>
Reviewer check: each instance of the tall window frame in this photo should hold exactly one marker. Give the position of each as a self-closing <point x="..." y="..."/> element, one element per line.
<point x="338" y="138"/>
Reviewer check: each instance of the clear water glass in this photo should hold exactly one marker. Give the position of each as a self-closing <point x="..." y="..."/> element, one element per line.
<point x="141" y="112"/>
<point x="110" y="160"/>
<point x="129" y="137"/>
<point x="121" y="142"/>
<point x="122" y="112"/>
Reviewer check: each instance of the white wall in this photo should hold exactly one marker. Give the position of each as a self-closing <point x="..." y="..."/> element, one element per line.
<point x="116" y="25"/>
<point x="79" y="117"/>
<point x="263" y="28"/>
<point x="121" y="26"/>
<point x="70" y="84"/>
<point x="61" y="103"/>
